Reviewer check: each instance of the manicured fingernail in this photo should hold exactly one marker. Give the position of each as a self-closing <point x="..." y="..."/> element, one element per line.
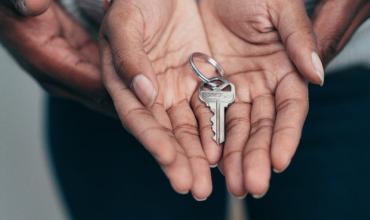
<point x="319" y="68"/>
<point x="213" y="165"/>
<point x="259" y="196"/>
<point x="20" y="6"/>
<point x="144" y="89"/>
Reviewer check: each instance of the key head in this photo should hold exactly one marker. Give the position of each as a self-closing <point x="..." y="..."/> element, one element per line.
<point x="224" y="93"/>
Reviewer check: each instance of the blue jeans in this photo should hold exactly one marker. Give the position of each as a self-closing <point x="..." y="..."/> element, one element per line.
<point x="104" y="173"/>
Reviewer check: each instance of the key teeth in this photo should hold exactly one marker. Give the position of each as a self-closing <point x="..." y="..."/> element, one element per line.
<point x="213" y="120"/>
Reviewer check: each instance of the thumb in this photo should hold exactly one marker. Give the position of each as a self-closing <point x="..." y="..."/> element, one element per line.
<point x="295" y="29"/>
<point x="124" y="32"/>
<point x="30" y="7"/>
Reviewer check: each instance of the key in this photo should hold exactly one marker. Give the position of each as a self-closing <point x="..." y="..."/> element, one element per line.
<point x="218" y="99"/>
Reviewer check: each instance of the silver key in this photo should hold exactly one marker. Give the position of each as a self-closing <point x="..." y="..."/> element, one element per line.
<point x="218" y="99"/>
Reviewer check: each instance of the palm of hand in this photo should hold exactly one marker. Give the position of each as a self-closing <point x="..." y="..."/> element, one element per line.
<point x="264" y="124"/>
<point x="168" y="44"/>
<point x="168" y="48"/>
<point x="171" y="31"/>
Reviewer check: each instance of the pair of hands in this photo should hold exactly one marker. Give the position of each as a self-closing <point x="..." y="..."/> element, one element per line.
<point x="259" y="43"/>
<point x="267" y="48"/>
<point x="145" y="48"/>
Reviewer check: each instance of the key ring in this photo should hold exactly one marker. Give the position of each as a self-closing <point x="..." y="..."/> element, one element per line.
<point x="209" y="60"/>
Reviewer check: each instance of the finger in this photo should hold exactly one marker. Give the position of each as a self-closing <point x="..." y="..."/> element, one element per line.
<point x="77" y="36"/>
<point x="135" y="117"/>
<point x="295" y="29"/>
<point x="360" y="17"/>
<point x="256" y="154"/>
<point x="29" y="7"/>
<point x="237" y="128"/>
<point x="124" y="30"/>
<point x="142" y="123"/>
<point x="180" y="171"/>
<point x="203" y="114"/>
<point x="292" y="107"/>
<point x="186" y="131"/>
<point x="50" y="57"/>
<point x="334" y="23"/>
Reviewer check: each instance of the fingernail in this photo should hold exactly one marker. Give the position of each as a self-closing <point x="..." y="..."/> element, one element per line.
<point x="213" y="165"/>
<point x="277" y="171"/>
<point x="319" y="68"/>
<point x="20" y="6"/>
<point x="200" y="199"/>
<point x="259" y="196"/>
<point x="283" y="169"/>
<point x="144" y="89"/>
<point x="184" y="192"/>
<point x="242" y="197"/>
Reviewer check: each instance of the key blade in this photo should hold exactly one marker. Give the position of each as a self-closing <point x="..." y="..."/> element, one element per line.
<point x="218" y="100"/>
<point x="213" y="107"/>
<point x="217" y="121"/>
<point x="221" y="121"/>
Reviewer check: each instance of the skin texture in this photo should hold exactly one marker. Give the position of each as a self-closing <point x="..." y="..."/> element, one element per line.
<point x="254" y="42"/>
<point x="27" y="7"/>
<point x="265" y="123"/>
<point x="156" y="38"/>
<point x="334" y="22"/>
<point x="60" y="55"/>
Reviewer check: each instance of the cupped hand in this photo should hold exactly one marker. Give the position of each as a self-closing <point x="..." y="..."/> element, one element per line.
<point x="145" y="46"/>
<point x="267" y="49"/>
<point x="27" y="7"/>
<point x="57" y="52"/>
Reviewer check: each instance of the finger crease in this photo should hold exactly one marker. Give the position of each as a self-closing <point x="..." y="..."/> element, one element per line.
<point x="136" y="112"/>
<point x="254" y="150"/>
<point x="237" y="121"/>
<point x="186" y="129"/>
<point x="231" y="153"/>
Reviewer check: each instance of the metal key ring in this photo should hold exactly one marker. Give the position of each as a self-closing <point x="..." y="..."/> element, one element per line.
<point x="209" y="60"/>
<point x="223" y="85"/>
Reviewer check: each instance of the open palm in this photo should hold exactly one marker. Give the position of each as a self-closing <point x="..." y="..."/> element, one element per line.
<point x="264" y="124"/>
<point x="156" y="38"/>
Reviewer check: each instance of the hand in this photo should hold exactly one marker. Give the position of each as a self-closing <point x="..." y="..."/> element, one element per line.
<point x="260" y="43"/>
<point x="27" y="7"/>
<point x="335" y="21"/>
<point x="58" y="53"/>
<point x="145" y="46"/>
